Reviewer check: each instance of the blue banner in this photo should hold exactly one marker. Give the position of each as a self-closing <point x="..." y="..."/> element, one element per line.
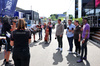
<point x="0" y="7"/>
<point x="9" y="7"/>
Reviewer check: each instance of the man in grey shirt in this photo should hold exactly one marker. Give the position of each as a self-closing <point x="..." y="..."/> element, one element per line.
<point x="59" y="34"/>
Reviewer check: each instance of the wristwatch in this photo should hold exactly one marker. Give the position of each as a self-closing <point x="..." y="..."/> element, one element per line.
<point x="83" y="39"/>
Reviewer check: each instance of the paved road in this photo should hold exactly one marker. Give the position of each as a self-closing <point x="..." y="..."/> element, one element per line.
<point x="47" y="55"/>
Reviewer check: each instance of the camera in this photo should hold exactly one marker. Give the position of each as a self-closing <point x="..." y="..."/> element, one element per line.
<point x="68" y="28"/>
<point x="55" y="37"/>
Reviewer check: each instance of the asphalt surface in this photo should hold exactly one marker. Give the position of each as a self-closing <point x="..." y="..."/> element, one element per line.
<point x="46" y="54"/>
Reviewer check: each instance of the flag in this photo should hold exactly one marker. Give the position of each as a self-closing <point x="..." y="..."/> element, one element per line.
<point x="0" y="7"/>
<point x="9" y="7"/>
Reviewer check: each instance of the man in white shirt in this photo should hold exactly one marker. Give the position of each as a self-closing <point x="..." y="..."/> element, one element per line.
<point x="33" y="30"/>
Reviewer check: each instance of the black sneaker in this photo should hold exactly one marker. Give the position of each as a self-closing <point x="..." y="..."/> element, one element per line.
<point x="8" y="64"/>
<point x="35" y="41"/>
<point x="39" y="39"/>
<point x="84" y="58"/>
<point x="4" y="61"/>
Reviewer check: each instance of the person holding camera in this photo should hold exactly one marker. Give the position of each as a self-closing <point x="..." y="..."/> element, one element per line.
<point x="33" y="30"/>
<point x="21" y="39"/>
<point x="6" y="28"/>
<point x="59" y="34"/>
<point x="70" y="35"/>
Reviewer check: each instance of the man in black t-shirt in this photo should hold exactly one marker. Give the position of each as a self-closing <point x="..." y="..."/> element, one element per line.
<point x="77" y="37"/>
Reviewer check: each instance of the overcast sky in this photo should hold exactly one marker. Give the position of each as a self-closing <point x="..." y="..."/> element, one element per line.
<point x="45" y="7"/>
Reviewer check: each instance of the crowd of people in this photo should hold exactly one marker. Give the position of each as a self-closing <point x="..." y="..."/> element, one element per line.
<point x="77" y="33"/>
<point x="18" y="36"/>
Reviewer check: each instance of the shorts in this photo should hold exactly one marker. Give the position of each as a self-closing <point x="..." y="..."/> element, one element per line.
<point x="33" y="32"/>
<point x="8" y="47"/>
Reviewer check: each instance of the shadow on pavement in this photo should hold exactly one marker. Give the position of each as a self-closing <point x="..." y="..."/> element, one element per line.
<point x="57" y="57"/>
<point x="33" y="44"/>
<point x="94" y="43"/>
<point x="72" y="61"/>
<point x="43" y="44"/>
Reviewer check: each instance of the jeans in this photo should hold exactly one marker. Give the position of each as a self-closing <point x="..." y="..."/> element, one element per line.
<point x="70" y="40"/>
<point x="50" y="35"/>
<point x="60" y="44"/>
<point x="77" y="46"/>
<point x="40" y="34"/>
<point x="84" y="47"/>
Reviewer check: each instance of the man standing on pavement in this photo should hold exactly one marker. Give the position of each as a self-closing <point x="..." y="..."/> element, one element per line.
<point x="77" y="37"/>
<point x="59" y="34"/>
<point x="50" y="30"/>
<point x="70" y="35"/>
<point x="85" y="37"/>
<point x="6" y="28"/>
<point x="40" y="31"/>
<point x="33" y="30"/>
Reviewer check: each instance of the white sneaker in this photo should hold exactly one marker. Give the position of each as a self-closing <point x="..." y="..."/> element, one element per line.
<point x="61" y="49"/>
<point x="75" y="53"/>
<point x="70" y="52"/>
<point x="58" y="48"/>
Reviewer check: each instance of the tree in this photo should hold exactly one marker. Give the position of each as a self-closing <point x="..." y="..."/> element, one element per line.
<point x="53" y="17"/>
<point x="65" y="13"/>
<point x="70" y="16"/>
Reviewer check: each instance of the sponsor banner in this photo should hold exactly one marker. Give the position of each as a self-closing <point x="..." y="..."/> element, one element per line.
<point x="9" y="7"/>
<point x="97" y="3"/>
<point x="0" y="7"/>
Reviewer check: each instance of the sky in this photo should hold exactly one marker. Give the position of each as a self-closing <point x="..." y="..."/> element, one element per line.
<point x="45" y="7"/>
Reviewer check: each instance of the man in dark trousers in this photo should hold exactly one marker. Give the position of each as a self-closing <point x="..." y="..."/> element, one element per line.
<point x="50" y="30"/>
<point x="77" y="37"/>
<point x="59" y="34"/>
<point x="40" y="31"/>
<point x="85" y="37"/>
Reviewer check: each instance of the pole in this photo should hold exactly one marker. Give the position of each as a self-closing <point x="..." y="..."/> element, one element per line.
<point x="94" y="8"/>
<point x="32" y="13"/>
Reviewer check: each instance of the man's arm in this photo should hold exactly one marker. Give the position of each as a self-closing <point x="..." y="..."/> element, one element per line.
<point x="12" y="43"/>
<point x="29" y="41"/>
<point x="79" y="34"/>
<point x="62" y="31"/>
<point x="85" y="36"/>
<point x="79" y="38"/>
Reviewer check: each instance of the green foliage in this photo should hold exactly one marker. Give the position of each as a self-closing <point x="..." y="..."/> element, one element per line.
<point x="53" y="18"/>
<point x="65" y="13"/>
<point x="70" y="16"/>
<point x="79" y="19"/>
<point x="49" y="17"/>
<point x="62" y="18"/>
